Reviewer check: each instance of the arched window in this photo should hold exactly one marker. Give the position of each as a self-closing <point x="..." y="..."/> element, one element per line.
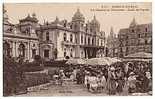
<point x="145" y="41"/>
<point x="98" y="42"/>
<point x="21" y="50"/>
<point x="71" y="38"/>
<point x="6" y="48"/>
<point x="71" y="53"/>
<point x="85" y="40"/>
<point x="46" y="53"/>
<point x="133" y="30"/>
<point x="33" y="52"/>
<point x="47" y="36"/>
<point x="92" y="41"/>
<point x="64" y="52"/>
<point x="127" y="50"/>
<point x="81" y="39"/>
<point x="65" y="36"/>
<point x="70" y="26"/>
<point x="88" y="41"/>
<point x="101" y="42"/>
<point x="145" y="29"/>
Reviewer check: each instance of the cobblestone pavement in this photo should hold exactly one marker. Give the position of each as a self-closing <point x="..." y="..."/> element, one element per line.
<point x="68" y="89"/>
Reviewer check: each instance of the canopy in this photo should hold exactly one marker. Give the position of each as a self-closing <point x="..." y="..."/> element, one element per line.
<point x="75" y="61"/>
<point x="102" y="61"/>
<point x="145" y="60"/>
<point x="97" y="61"/>
<point x="139" y="55"/>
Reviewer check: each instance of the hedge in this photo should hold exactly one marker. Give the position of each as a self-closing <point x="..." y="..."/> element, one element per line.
<point x="35" y="78"/>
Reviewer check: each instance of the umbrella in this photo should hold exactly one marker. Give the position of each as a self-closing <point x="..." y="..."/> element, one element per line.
<point x="75" y="61"/>
<point x="98" y="61"/>
<point x="144" y="60"/>
<point x="142" y="55"/>
<point x="112" y="60"/>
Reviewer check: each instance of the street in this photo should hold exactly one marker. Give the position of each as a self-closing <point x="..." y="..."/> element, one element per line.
<point x="68" y="89"/>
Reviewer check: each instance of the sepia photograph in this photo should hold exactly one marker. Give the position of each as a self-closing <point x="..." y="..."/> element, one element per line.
<point x="77" y="49"/>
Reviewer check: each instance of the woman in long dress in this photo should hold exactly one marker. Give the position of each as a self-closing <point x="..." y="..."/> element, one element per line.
<point x="93" y="83"/>
<point x="111" y="82"/>
<point x="120" y="80"/>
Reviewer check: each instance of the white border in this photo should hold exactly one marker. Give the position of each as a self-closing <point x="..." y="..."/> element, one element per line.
<point x="71" y="1"/>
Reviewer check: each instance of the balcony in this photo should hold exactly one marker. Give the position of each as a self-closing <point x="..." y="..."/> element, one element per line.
<point x="68" y="43"/>
<point x="91" y="46"/>
<point x="47" y="42"/>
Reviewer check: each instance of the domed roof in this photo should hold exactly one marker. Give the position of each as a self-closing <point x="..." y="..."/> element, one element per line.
<point x="78" y="16"/>
<point x="29" y="18"/>
<point x="95" y="21"/>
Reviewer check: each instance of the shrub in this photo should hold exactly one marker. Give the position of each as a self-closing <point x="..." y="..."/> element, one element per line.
<point x="35" y="78"/>
<point x="32" y="67"/>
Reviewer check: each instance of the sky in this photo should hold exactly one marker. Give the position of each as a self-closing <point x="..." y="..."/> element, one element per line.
<point x="108" y="14"/>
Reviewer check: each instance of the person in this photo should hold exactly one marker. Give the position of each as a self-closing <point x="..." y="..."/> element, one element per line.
<point x="93" y="83"/>
<point x="74" y="74"/>
<point x="128" y="69"/>
<point x="78" y="77"/>
<point x="132" y="82"/>
<point x="61" y="77"/>
<point x="120" y="81"/>
<point x="147" y="81"/>
<point x="72" y="77"/>
<point x="103" y="82"/>
<point x="86" y="78"/>
<point x="125" y="87"/>
<point x="87" y="81"/>
<point x="111" y="82"/>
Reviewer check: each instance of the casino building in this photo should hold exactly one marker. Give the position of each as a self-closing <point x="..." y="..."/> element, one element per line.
<point x="58" y="39"/>
<point x="20" y="39"/>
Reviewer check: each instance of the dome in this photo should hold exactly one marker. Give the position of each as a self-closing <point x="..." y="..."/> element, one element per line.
<point x="78" y="16"/>
<point x="29" y="18"/>
<point x="95" y="22"/>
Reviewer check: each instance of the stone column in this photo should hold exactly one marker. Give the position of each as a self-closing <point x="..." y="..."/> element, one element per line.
<point x="28" y="50"/>
<point x="14" y="48"/>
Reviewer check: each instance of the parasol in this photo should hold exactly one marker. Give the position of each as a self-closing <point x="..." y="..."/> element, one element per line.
<point x="75" y="61"/>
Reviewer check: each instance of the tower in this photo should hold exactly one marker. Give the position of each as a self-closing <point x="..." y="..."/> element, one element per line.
<point x="78" y="21"/>
<point x="28" y="24"/>
<point x="94" y="25"/>
<point x="133" y="23"/>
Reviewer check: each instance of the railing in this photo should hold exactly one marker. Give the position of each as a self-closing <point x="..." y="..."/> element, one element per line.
<point x="68" y="43"/>
<point x="49" y="41"/>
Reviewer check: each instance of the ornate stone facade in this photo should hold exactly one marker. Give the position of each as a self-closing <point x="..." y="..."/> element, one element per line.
<point x="76" y="39"/>
<point x="112" y="44"/>
<point x="59" y="39"/>
<point x="136" y="38"/>
<point x="20" y="39"/>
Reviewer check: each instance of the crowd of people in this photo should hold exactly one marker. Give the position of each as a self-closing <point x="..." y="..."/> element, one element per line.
<point x="120" y="78"/>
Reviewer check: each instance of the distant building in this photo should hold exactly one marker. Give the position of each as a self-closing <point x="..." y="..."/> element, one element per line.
<point x="112" y="44"/>
<point x="136" y="38"/>
<point x="59" y="39"/>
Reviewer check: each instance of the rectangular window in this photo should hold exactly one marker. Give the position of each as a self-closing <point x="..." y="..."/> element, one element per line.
<point x="46" y="53"/>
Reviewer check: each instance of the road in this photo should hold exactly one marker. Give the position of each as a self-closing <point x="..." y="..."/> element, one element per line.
<point x="68" y="89"/>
